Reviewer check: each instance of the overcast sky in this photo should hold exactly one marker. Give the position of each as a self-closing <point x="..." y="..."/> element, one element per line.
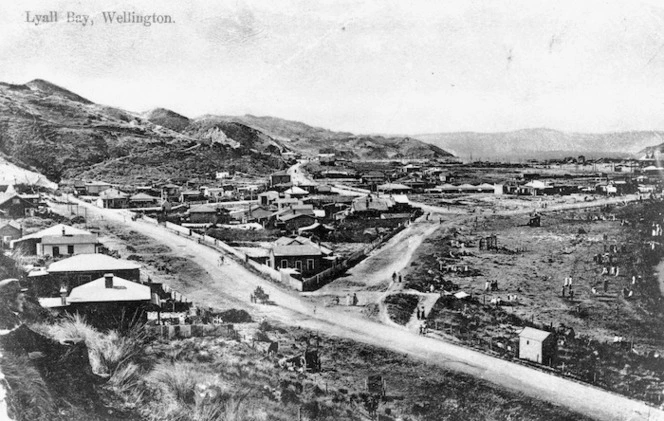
<point x="362" y="66"/>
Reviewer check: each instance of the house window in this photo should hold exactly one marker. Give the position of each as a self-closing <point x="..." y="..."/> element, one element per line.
<point x="284" y="263"/>
<point x="16" y="201"/>
<point x="298" y="265"/>
<point x="56" y="251"/>
<point x="310" y="264"/>
<point x="70" y="249"/>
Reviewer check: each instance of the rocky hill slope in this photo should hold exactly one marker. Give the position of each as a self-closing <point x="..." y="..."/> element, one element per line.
<point x="63" y="135"/>
<point x="310" y="140"/>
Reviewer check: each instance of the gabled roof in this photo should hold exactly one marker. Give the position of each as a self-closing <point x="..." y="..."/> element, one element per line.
<point x="204" y="208"/>
<point x="96" y="292"/>
<point x="302" y="241"/>
<point x="291" y="216"/>
<point x="393" y="186"/>
<point x="91" y="262"/>
<point x="296" y="190"/>
<point x="534" y="334"/>
<point x="112" y="193"/>
<point x="56" y="230"/>
<point x="97" y="183"/>
<point x="270" y="193"/>
<point x="12" y="224"/>
<point x="143" y="197"/>
<point x="296" y="250"/>
<point x="287" y="200"/>
<point x="6" y="197"/>
<point x="372" y="204"/>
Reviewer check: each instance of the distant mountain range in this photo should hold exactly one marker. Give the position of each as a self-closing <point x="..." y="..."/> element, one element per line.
<point x="63" y="135"/>
<point x="543" y="144"/>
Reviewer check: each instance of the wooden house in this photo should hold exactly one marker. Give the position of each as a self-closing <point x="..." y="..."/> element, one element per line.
<point x="94" y="188"/>
<point x="78" y="270"/>
<point x="537" y="345"/>
<point x="110" y="302"/>
<point x="9" y="231"/>
<point x="113" y="199"/>
<point x="280" y="178"/>
<point x="307" y="259"/>
<point x="13" y="206"/>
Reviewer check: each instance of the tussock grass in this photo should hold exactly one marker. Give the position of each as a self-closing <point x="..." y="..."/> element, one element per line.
<point x="29" y="396"/>
<point x="107" y="351"/>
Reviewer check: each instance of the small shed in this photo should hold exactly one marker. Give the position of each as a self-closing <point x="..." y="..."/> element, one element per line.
<point x="537" y="345"/>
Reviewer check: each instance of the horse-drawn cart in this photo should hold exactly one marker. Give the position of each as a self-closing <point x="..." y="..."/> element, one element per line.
<point x="260" y="296"/>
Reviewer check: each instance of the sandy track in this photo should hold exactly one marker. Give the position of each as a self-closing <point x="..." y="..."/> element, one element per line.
<point x="237" y="282"/>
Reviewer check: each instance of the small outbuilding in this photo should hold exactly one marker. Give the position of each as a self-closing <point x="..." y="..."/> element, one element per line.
<point x="537" y="345"/>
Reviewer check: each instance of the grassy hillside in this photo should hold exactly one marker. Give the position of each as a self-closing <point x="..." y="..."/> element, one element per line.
<point x="63" y="135"/>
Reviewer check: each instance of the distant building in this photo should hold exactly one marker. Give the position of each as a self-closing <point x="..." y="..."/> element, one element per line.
<point x="373" y="177"/>
<point x="296" y="192"/>
<point x="113" y="199"/>
<point x="411" y="168"/>
<point x="280" y="178"/>
<point x="9" y="231"/>
<point x="143" y="200"/>
<point x="191" y="196"/>
<point x="293" y="222"/>
<point x="393" y="188"/>
<point x="170" y="192"/>
<point x="204" y="214"/>
<point x="13" y="206"/>
<point x="220" y="175"/>
<point x="93" y="188"/>
<point x="266" y="198"/>
<point x="537" y="345"/>
<point x="326" y="158"/>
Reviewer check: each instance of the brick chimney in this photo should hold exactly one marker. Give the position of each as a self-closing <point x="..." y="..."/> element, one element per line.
<point x="108" y="280"/>
<point x="63" y="295"/>
<point x="63" y="231"/>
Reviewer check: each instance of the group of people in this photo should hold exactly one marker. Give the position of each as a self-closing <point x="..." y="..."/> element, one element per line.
<point x="421" y="315"/>
<point x="491" y="285"/>
<point x="396" y="277"/>
<point x="351" y="300"/>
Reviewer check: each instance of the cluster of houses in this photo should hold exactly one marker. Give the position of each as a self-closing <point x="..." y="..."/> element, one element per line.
<point x="106" y="195"/>
<point x="430" y="177"/>
<point x="81" y="279"/>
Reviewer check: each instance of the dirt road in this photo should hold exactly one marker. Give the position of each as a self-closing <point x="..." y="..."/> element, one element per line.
<point x="235" y="281"/>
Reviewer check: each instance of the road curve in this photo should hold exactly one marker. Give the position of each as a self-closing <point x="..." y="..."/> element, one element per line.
<point x="237" y="282"/>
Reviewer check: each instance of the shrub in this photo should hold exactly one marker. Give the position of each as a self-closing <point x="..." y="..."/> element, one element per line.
<point x="400" y="307"/>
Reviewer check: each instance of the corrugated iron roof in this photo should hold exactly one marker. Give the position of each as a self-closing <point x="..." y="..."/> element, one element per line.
<point x="534" y="334"/>
<point x="96" y="292"/>
<point x="91" y="262"/>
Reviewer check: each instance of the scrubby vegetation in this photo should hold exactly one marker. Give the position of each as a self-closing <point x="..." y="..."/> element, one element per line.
<point x="400" y="307"/>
